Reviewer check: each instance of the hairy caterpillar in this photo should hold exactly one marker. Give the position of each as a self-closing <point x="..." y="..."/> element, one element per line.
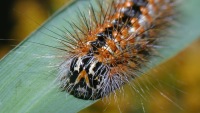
<point x="106" y="51"/>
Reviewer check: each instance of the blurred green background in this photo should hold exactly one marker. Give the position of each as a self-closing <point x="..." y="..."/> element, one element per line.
<point x="178" y="79"/>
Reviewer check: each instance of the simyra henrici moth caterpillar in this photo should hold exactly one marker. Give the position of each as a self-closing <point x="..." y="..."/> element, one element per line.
<point x="108" y="48"/>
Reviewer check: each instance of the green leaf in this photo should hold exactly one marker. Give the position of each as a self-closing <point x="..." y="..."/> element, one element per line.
<point x="28" y="72"/>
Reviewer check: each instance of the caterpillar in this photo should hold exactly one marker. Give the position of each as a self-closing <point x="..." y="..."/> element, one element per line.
<point x="107" y="50"/>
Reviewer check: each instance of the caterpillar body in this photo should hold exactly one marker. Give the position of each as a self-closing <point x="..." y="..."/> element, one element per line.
<point x="107" y="50"/>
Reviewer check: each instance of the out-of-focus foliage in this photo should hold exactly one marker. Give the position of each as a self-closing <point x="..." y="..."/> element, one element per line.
<point x="26" y="16"/>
